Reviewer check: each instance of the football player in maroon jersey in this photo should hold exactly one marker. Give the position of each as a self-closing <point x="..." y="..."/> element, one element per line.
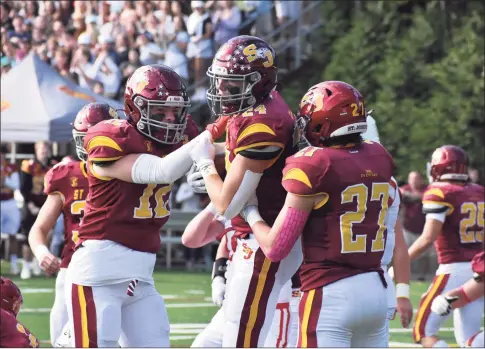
<point x="259" y="137"/>
<point x="454" y="209"/>
<point x="66" y="187"/>
<point x="472" y="290"/>
<point x="12" y="333"/>
<point x="339" y="191"/>
<point x="131" y="166"/>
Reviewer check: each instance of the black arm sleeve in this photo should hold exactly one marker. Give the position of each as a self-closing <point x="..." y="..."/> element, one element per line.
<point x="26" y="186"/>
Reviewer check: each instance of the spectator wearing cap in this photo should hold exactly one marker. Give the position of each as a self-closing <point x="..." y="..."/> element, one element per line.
<point x="199" y="27"/>
<point x="227" y="20"/>
<point x="150" y="53"/>
<point x="92" y="27"/>
<point x="106" y="44"/>
<point x="177" y="45"/>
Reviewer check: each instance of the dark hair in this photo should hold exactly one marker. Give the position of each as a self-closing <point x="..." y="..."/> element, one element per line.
<point x="355" y="138"/>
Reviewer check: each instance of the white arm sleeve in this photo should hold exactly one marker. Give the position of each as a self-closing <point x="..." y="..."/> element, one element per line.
<point x="437" y="216"/>
<point x="153" y="169"/>
<point x="13" y="181"/>
<point x="372" y="134"/>
<point x="246" y="189"/>
<point x="391" y="218"/>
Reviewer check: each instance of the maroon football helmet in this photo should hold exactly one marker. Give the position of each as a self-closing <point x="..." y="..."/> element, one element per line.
<point x="11" y="296"/>
<point x="242" y="74"/>
<point x="152" y="93"/>
<point x="87" y="117"/>
<point x="448" y="162"/>
<point x="331" y="109"/>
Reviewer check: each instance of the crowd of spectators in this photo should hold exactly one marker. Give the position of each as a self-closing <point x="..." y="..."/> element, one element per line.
<point x="98" y="44"/>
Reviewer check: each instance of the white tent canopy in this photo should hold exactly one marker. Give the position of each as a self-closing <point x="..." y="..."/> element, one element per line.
<point x="39" y="104"/>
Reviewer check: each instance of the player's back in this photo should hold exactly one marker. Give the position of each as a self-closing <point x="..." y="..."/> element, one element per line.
<point x="128" y="213"/>
<point x="462" y="234"/>
<point x="345" y="233"/>
<point x="13" y="334"/>
<point x="70" y="180"/>
<point x="267" y="125"/>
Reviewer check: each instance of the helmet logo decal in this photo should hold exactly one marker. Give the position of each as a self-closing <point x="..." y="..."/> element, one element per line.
<point x="113" y="113"/>
<point x="252" y="53"/>
<point x="141" y="85"/>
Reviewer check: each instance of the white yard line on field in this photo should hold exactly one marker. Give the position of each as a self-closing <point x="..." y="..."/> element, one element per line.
<point x="167" y="305"/>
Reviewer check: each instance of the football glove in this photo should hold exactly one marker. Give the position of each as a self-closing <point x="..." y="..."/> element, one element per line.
<point x="442" y="305"/>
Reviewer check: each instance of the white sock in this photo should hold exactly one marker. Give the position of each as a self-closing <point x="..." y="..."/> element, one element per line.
<point x="13" y="259"/>
<point x="25" y="264"/>
<point x="440" y="344"/>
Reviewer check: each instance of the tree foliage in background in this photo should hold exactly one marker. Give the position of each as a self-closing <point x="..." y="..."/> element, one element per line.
<point x="419" y="64"/>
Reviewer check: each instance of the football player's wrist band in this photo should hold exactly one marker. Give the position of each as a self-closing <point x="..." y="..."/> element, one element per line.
<point x="206" y="167"/>
<point x="40" y="252"/>
<point x="402" y="291"/>
<point x="464" y="295"/>
<point x="219" y="268"/>
<point x="253" y="216"/>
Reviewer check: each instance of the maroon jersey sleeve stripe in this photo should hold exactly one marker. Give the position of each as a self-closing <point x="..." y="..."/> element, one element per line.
<point x="435" y="289"/>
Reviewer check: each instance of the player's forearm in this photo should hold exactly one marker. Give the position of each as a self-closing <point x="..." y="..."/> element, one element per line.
<point x="222" y="251"/>
<point x="214" y="186"/>
<point x="467" y="293"/>
<point x="401" y="261"/>
<point x="202" y="229"/>
<point x="419" y="246"/>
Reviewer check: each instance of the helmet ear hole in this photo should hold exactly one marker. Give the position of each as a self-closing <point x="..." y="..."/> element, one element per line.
<point x="329" y="93"/>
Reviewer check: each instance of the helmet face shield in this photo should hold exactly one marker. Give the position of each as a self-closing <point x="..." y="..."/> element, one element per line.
<point x="230" y="94"/>
<point x="163" y="121"/>
<point x="78" y="137"/>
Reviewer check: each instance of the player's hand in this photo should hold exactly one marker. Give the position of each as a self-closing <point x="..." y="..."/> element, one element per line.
<point x="218" y="290"/>
<point x="405" y="311"/>
<point x="50" y="263"/>
<point x="195" y="180"/>
<point x="203" y="152"/>
<point x="442" y="305"/>
<point x="218" y="127"/>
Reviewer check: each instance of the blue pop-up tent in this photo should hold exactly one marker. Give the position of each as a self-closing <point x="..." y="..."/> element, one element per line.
<point x="39" y="104"/>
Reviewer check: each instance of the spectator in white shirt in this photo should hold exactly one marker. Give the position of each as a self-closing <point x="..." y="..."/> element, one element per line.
<point x="227" y="20"/>
<point x="150" y="53"/>
<point x="175" y="56"/>
<point x="107" y="72"/>
<point x="199" y="27"/>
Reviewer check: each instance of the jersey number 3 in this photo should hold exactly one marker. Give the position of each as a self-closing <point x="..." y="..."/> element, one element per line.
<point x="354" y="242"/>
<point x="145" y="211"/>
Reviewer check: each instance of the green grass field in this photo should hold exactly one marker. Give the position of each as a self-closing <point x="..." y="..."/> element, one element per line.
<point x="187" y="296"/>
